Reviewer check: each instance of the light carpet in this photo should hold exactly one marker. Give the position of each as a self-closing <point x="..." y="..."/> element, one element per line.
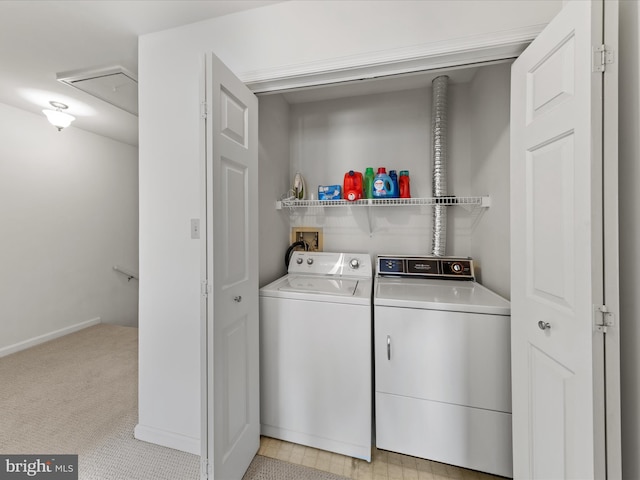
<point x="78" y="394"/>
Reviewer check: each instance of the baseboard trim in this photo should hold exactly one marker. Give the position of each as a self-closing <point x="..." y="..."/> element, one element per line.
<point x="167" y="439"/>
<point x="32" y="342"/>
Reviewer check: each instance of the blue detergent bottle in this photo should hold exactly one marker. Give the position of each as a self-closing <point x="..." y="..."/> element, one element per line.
<point x="382" y="185"/>
<point x="394" y="179"/>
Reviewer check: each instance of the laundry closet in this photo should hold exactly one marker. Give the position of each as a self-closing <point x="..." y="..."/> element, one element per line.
<point x="386" y="122"/>
<point x="324" y="131"/>
<point x="334" y="130"/>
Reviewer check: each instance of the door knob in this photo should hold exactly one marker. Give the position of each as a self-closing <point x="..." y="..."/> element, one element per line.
<point x="237" y="298"/>
<point x="544" y="325"/>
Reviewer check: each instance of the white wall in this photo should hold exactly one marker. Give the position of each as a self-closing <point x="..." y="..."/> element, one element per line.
<point x="69" y="211"/>
<point x="629" y="195"/>
<point x="391" y="130"/>
<point x="277" y="36"/>
<point x="298" y="34"/>
<point x="490" y="112"/>
<point x="273" y="171"/>
<point x="170" y="189"/>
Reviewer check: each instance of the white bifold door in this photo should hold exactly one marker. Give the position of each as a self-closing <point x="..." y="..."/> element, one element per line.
<point x="230" y="378"/>
<point x="565" y="362"/>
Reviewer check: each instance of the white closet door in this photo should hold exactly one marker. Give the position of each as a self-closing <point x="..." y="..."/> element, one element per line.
<point x="557" y="250"/>
<point x="232" y="392"/>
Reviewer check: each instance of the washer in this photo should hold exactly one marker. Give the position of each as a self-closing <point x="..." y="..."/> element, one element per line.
<point x="442" y="364"/>
<point x="315" y="353"/>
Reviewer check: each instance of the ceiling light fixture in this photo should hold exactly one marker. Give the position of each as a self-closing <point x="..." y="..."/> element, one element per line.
<point x="57" y="117"/>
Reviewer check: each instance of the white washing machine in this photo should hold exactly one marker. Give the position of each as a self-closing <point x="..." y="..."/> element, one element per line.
<point x="315" y="353"/>
<point x="442" y="364"/>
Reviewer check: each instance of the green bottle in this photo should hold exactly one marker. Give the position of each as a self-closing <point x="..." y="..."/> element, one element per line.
<point x="368" y="182"/>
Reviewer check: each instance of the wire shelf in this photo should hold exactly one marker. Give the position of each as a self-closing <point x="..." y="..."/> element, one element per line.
<point x="385" y="202"/>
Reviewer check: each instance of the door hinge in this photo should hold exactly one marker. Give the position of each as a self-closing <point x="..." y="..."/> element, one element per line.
<point x="602" y="318"/>
<point x="204" y="110"/>
<point x="205" y="288"/>
<point x="602" y="55"/>
<point x="205" y="469"/>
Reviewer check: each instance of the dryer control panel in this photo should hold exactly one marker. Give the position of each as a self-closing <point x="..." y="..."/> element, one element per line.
<point x="460" y="268"/>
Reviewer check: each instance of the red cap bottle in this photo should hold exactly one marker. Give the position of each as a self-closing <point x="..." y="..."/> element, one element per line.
<point x="403" y="182"/>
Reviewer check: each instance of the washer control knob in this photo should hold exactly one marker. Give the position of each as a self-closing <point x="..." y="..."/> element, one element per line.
<point x="354" y="263"/>
<point x="457" y="267"/>
<point x="299" y="260"/>
<point x="309" y="261"/>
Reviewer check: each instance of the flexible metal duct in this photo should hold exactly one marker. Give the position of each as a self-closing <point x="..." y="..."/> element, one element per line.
<point x="440" y="156"/>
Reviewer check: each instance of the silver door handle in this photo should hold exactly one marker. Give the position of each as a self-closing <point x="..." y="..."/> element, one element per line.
<point x="388" y="347"/>
<point x="237" y="298"/>
<point x="544" y="325"/>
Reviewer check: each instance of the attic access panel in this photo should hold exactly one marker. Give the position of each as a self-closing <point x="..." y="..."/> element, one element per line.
<point x="114" y="85"/>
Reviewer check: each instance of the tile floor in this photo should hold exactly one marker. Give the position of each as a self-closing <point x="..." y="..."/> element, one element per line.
<point x="384" y="465"/>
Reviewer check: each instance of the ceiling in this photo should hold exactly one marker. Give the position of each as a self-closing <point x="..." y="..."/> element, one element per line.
<point x="41" y="39"/>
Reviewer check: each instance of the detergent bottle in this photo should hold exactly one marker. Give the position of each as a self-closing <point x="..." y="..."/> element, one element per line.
<point x="382" y="185"/>
<point x="394" y="179"/>
<point x="405" y="190"/>
<point x="368" y="182"/>
<point x="352" y="189"/>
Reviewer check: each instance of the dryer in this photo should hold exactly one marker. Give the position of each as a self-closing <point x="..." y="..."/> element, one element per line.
<point x="315" y="353"/>
<point x="442" y="364"/>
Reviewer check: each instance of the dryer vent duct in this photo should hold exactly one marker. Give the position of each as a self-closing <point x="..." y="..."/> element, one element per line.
<point x="115" y="85"/>
<point x="440" y="157"/>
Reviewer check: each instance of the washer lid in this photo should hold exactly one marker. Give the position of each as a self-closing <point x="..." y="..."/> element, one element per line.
<point x="319" y="285"/>
<point x="450" y="295"/>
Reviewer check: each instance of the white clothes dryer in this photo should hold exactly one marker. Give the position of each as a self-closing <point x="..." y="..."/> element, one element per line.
<point x="442" y="364"/>
<point x="315" y="353"/>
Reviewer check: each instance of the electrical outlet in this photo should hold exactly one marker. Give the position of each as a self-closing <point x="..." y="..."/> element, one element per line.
<point x="311" y="235"/>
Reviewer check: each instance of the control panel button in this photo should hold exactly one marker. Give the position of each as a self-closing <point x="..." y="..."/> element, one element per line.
<point x="309" y="261"/>
<point x="457" y="267"/>
<point x="354" y="263"/>
<point x="391" y="265"/>
<point x="299" y="260"/>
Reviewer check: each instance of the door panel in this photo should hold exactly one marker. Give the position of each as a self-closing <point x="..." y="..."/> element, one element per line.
<point x="557" y="250"/>
<point x="232" y="369"/>
<point x="549" y="171"/>
<point x="551" y="81"/>
<point x="235" y="184"/>
<point x="234" y="118"/>
<point x="549" y="382"/>
<point x="237" y="386"/>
